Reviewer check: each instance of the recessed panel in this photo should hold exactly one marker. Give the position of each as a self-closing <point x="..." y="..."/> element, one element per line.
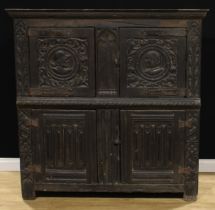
<point x="67" y="148"/>
<point x="152" y="62"/>
<point x="152" y="143"/>
<point x="62" y="61"/>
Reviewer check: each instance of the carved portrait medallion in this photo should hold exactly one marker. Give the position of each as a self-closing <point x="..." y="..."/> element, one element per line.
<point x="62" y="63"/>
<point x="153" y="63"/>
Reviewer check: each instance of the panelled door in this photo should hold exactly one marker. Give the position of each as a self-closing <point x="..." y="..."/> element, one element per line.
<point x="152" y="62"/>
<point x="152" y="142"/>
<point x="62" y="61"/>
<point x="65" y="146"/>
<point x="109" y="146"/>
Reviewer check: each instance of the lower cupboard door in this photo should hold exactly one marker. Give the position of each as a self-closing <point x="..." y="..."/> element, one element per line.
<point x="65" y="146"/>
<point x="152" y="146"/>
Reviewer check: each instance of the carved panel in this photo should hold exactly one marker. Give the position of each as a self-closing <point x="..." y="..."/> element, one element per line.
<point x="192" y="153"/>
<point x="193" y="58"/>
<point x="151" y="139"/>
<point x="107" y="61"/>
<point x="68" y="143"/>
<point x="25" y="153"/>
<point x="63" y="62"/>
<point x="65" y="146"/>
<point x="21" y="52"/>
<point x="145" y="138"/>
<point x="151" y="63"/>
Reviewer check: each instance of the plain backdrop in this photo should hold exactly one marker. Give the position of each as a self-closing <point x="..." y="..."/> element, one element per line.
<point x="8" y="121"/>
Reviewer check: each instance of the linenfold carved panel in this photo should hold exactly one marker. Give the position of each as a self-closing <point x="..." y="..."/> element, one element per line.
<point x="145" y="138"/>
<point x="65" y="146"/>
<point x="69" y="146"/>
<point x="151" y="139"/>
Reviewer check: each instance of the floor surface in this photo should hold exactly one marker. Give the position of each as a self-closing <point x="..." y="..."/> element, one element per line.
<point x="10" y="199"/>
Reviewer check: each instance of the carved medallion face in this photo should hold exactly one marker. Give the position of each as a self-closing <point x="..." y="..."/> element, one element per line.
<point x="62" y="63"/>
<point x="153" y="63"/>
<point x="65" y="60"/>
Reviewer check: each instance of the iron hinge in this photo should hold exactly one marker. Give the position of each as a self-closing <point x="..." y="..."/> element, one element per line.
<point x="34" y="169"/>
<point x="185" y="123"/>
<point x="33" y="123"/>
<point x="182" y="170"/>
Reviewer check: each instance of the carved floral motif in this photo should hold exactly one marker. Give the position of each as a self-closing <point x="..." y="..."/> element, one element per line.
<point x="193" y="58"/>
<point x="192" y="153"/>
<point x="25" y="151"/>
<point x="21" y="51"/>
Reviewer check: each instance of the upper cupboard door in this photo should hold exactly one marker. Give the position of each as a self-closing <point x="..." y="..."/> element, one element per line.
<point x="61" y="61"/>
<point x="152" y="62"/>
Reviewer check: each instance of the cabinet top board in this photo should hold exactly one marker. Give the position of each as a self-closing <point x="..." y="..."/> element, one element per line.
<point x="107" y="13"/>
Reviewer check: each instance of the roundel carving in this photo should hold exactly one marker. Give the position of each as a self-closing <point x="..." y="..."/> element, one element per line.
<point x="62" y="63"/>
<point x="153" y="63"/>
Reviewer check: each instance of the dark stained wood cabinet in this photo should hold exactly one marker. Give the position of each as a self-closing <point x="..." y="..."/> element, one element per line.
<point x="108" y="100"/>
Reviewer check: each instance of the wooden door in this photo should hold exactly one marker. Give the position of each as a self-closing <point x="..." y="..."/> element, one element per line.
<point x="152" y="146"/>
<point x="152" y="62"/>
<point x="62" y="62"/>
<point x="109" y="148"/>
<point x="65" y="146"/>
